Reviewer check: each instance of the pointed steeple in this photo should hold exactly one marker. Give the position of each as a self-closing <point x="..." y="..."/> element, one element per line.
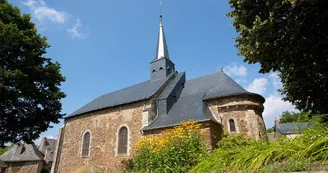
<point x="162" y="50"/>
<point x="161" y="66"/>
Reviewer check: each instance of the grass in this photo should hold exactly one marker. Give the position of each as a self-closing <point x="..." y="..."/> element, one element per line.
<point x="238" y="153"/>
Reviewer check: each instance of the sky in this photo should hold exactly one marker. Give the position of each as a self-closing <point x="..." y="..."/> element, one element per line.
<point x="104" y="46"/>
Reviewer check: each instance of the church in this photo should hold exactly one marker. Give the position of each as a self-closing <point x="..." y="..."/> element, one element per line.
<point x="102" y="133"/>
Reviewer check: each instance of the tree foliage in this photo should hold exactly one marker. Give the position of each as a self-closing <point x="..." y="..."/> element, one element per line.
<point x="289" y="36"/>
<point x="29" y="82"/>
<point x="289" y="117"/>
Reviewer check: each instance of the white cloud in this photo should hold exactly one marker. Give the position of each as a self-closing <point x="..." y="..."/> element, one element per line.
<point x="41" y="12"/>
<point x="75" y="30"/>
<point x="235" y="70"/>
<point x="274" y="106"/>
<point x="52" y="137"/>
<point x="258" y="85"/>
<point x="276" y="81"/>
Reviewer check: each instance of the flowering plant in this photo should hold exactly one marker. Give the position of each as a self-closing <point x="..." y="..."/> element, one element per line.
<point x="175" y="150"/>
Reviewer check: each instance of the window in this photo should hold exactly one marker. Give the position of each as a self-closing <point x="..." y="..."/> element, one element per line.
<point x="232" y="125"/>
<point x="161" y="68"/>
<point x="123" y="141"/>
<point x="86" y="144"/>
<point x="154" y="71"/>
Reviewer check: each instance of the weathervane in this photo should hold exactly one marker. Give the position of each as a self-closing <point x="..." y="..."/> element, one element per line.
<point x="160" y="9"/>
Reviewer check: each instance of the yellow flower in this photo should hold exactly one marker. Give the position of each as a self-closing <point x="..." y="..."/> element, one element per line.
<point x="156" y="142"/>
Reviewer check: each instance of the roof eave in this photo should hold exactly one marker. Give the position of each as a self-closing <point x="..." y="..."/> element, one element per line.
<point x="261" y="98"/>
<point x="177" y="124"/>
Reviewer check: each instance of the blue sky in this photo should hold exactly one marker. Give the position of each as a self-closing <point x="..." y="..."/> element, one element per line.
<point x="107" y="45"/>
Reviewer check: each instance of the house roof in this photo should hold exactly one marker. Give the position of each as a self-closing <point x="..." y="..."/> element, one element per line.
<point x="29" y="152"/>
<point x="2" y="164"/>
<point x="292" y="128"/>
<point x="48" y="144"/>
<point x="141" y="91"/>
<point x="191" y="105"/>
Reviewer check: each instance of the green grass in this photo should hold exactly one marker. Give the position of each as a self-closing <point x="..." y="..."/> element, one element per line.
<point x="239" y="153"/>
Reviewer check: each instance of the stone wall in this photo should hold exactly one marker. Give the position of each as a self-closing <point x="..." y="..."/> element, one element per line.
<point x="24" y="167"/>
<point x="245" y="110"/>
<point x="103" y="126"/>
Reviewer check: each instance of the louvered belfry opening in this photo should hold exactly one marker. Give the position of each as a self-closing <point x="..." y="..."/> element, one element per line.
<point x="86" y="144"/>
<point x="123" y="141"/>
<point x="232" y="125"/>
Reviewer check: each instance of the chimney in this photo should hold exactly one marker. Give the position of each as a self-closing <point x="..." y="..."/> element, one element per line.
<point x="43" y="142"/>
<point x="20" y="148"/>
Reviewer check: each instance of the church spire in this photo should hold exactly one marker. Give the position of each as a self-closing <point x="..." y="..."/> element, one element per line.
<point x="162" y="50"/>
<point x="161" y="66"/>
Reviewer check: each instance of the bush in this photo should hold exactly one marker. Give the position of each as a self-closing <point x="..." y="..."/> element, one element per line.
<point x="176" y="150"/>
<point x="228" y="148"/>
<point x="238" y="152"/>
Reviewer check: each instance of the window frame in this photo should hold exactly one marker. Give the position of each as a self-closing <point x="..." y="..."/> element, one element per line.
<point x="234" y="123"/>
<point x="127" y="141"/>
<point x="89" y="149"/>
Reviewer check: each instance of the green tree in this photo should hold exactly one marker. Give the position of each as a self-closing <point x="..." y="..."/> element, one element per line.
<point x="270" y="130"/>
<point x="289" y="117"/>
<point x="289" y="36"/>
<point x="29" y="82"/>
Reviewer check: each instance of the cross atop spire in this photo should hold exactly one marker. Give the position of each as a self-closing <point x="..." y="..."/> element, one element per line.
<point x="162" y="50"/>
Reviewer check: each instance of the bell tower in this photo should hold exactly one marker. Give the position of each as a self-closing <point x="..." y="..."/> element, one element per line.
<point x="161" y="66"/>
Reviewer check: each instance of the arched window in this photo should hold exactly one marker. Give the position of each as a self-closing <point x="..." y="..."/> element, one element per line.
<point x="122" y="141"/>
<point x="232" y="125"/>
<point x="86" y="144"/>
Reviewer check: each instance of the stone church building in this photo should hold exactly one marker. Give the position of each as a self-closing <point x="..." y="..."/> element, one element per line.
<point x="103" y="132"/>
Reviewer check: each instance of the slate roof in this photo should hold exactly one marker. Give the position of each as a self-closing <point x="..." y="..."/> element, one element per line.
<point x="141" y="91"/>
<point x="29" y="153"/>
<point x="292" y="128"/>
<point x="191" y="103"/>
<point x="49" y="144"/>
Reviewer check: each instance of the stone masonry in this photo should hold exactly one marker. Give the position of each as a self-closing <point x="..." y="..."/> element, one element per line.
<point x="104" y="124"/>
<point x="245" y="110"/>
<point x="24" y="167"/>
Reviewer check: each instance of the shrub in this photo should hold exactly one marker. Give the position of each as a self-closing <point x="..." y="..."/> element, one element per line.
<point x="176" y="150"/>
<point x="239" y="153"/>
<point x="228" y="148"/>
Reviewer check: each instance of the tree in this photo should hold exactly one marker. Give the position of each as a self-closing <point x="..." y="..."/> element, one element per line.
<point x="289" y="36"/>
<point x="289" y="117"/>
<point x="270" y="130"/>
<point x="29" y="82"/>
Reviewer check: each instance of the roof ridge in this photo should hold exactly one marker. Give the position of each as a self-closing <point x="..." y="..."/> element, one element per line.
<point x="211" y="74"/>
